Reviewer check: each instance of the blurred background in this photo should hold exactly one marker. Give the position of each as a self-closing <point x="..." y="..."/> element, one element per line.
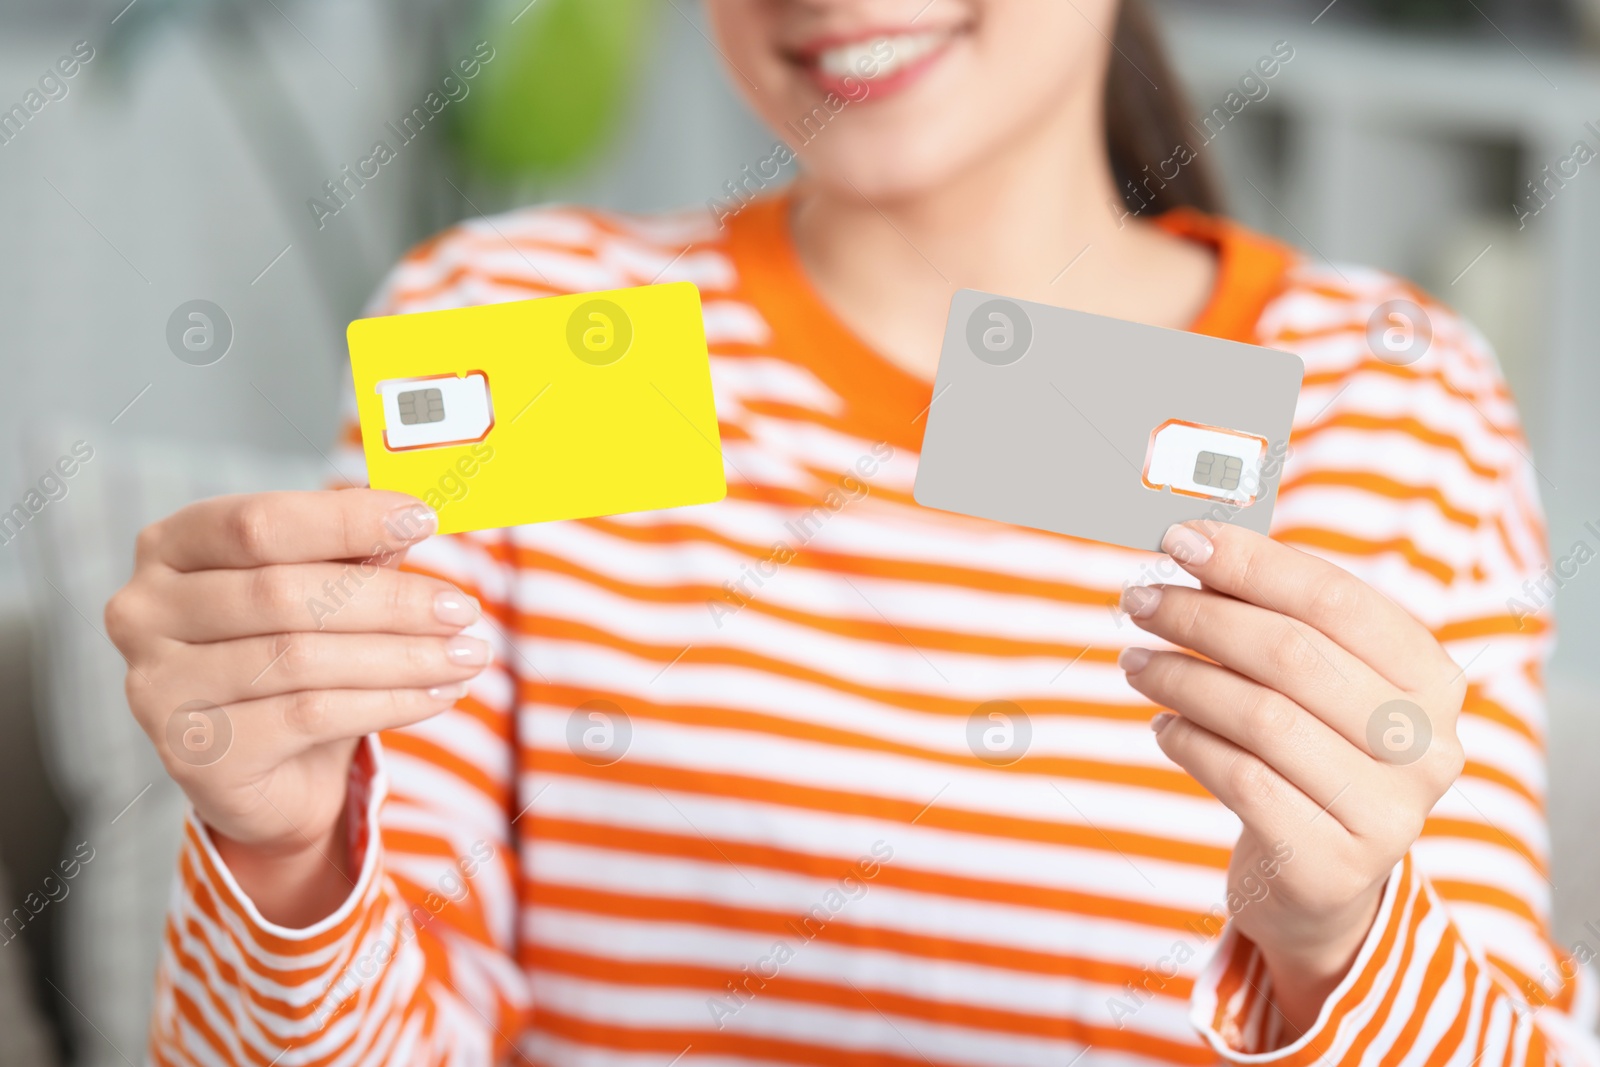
<point x="178" y="161"/>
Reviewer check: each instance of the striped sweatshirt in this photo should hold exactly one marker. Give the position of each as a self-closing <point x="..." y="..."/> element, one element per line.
<point x="727" y="795"/>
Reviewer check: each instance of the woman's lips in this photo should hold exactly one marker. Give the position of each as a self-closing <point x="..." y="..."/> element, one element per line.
<point x="896" y="60"/>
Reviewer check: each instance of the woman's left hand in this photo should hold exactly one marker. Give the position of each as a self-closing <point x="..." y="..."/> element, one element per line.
<point x="1327" y="723"/>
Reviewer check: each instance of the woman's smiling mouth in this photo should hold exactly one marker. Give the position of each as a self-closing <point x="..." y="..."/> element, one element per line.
<point x="886" y="61"/>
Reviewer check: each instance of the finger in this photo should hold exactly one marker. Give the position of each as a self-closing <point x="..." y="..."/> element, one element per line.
<point x="390" y="560"/>
<point x="1268" y="804"/>
<point x="1275" y="650"/>
<point x="318" y="716"/>
<point x="261" y="528"/>
<point x="253" y="736"/>
<point x="1299" y="746"/>
<point x="346" y="598"/>
<point x="1254" y="568"/>
<point x="258" y="667"/>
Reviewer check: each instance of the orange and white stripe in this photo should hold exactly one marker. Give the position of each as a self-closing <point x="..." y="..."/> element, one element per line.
<point x="798" y="859"/>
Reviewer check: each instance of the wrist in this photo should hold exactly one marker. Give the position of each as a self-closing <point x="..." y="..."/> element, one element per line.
<point x="293" y="883"/>
<point x="1306" y="968"/>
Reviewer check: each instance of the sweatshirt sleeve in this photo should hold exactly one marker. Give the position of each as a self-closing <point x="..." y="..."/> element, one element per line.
<point x="1460" y="966"/>
<point x="419" y="965"/>
<point x="1420" y="991"/>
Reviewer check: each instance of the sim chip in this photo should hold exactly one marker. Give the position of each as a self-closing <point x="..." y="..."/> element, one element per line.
<point x="1206" y="462"/>
<point x="421" y="405"/>
<point x="435" y="412"/>
<point x="1220" y="471"/>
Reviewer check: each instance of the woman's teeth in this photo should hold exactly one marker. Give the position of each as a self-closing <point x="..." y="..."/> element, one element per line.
<point x="858" y="58"/>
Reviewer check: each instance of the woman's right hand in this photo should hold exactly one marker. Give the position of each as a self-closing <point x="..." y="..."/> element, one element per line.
<point x="265" y="634"/>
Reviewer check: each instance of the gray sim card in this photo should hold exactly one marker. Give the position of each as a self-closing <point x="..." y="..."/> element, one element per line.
<point x="1099" y="428"/>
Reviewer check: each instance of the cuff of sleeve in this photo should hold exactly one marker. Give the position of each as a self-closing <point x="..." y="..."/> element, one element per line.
<point x="369" y="786"/>
<point x="231" y="980"/>
<point x="1230" y="1005"/>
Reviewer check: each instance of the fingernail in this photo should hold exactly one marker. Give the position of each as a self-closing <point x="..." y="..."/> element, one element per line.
<point x="448" y="692"/>
<point x="1141" y="601"/>
<point x="456" y="609"/>
<point x="466" y="651"/>
<point x="412" y="522"/>
<point x="1133" y="660"/>
<point x="1160" y="722"/>
<point x="1186" y="545"/>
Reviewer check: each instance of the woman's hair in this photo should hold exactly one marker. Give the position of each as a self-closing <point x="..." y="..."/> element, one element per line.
<point x="1145" y="123"/>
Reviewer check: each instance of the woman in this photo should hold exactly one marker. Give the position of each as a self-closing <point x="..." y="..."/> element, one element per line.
<point x="677" y="796"/>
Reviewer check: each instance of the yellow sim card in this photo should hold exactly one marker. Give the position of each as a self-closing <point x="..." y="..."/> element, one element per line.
<point x="558" y="408"/>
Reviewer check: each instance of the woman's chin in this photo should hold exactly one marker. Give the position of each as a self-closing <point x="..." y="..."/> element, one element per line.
<point x="877" y="173"/>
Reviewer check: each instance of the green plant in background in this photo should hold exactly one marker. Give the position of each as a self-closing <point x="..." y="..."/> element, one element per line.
<point x="558" y="87"/>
